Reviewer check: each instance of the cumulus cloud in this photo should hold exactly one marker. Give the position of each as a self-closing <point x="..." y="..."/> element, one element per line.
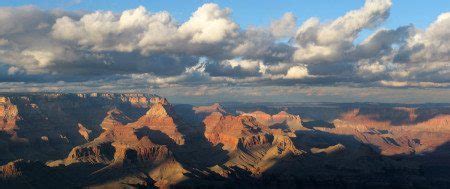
<point x="327" y="42"/>
<point x="140" y="30"/>
<point x="297" y="72"/>
<point x="431" y="44"/>
<point x="235" y="68"/>
<point x="285" y="26"/>
<point x="209" y="24"/>
<point x="152" y="49"/>
<point x="105" y="31"/>
<point x="381" y="42"/>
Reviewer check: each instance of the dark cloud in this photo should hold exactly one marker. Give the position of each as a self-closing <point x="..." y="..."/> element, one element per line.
<point x="225" y="69"/>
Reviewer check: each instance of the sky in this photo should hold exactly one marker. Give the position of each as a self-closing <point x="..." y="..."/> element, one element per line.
<point x="206" y="51"/>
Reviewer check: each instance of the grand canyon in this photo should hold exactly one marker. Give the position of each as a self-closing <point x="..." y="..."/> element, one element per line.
<point x="105" y="140"/>
<point x="115" y="94"/>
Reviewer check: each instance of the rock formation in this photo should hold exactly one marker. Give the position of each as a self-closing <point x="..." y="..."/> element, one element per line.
<point x="125" y="146"/>
<point x="281" y="120"/>
<point x="162" y="118"/>
<point x="216" y="107"/>
<point x="252" y="146"/>
<point x="9" y="115"/>
<point x="414" y="138"/>
<point x="142" y="141"/>
<point x="232" y="131"/>
<point x="45" y="126"/>
<point x="83" y="132"/>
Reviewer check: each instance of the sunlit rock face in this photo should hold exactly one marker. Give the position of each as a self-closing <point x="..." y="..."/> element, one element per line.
<point x="161" y="117"/>
<point x="252" y="146"/>
<point x="119" y="145"/>
<point x="44" y="126"/>
<point x="216" y="107"/>
<point x="403" y="133"/>
<point x="142" y="144"/>
<point x="121" y="140"/>
<point x="230" y="130"/>
<point x="281" y="120"/>
<point x="114" y="118"/>
<point x="9" y="114"/>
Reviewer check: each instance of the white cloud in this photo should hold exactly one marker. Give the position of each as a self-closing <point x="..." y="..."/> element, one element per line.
<point x="285" y="26"/>
<point x="209" y="24"/>
<point x="367" y="67"/>
<point x="134" y="29"/>
<point x="44" y="58"/>
<point x="433" y="44"/>
<point x="330" y="41"/>
<point x="297" y="72"/>
<point x="244" y="64"/>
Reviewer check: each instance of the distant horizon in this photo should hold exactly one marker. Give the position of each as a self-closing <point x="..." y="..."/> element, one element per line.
<point x="196" y="101"/>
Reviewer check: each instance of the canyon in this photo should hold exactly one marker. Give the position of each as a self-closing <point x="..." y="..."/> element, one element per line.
<point x="106" y="140"/>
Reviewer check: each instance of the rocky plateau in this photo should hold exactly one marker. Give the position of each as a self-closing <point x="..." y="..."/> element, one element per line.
<point x="102" y="140"/>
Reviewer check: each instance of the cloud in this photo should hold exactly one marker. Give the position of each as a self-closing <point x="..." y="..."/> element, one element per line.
<point x="14" y="71"/>
<point x="285" y="26"/>
<point x="260" y="43"/>
<point x="297" y="72"/>
<point x="412" y="84"/>
<point x="22" y="19"/>
<point x="372" y="67"/>
<point x="209" y="24"/>
<point x="429" y="45"/>
<point x="106" y="31"/>
<point x="381" y="42"/>
<point x="138" y="48"/>
<point x="330" y="41"/>
<point x="3" y="42"/>
<point x="234" y="68"/>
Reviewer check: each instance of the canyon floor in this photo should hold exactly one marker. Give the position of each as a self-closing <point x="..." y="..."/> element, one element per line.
<point x="101" y="140"/>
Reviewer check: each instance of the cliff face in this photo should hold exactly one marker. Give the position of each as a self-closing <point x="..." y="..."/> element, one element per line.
<point x="161" y="117"/>
<point x="123" y="140"/>
<point x="46" y="126"/>
<point x="406" y="138"/>
<point x="115" y="118"/>
<point x="281" y="120"/>
<point x="9" y="115"/>
<point x="131" y="146"/>
<point x="206" y="110"/>
<point x="120" y="145"/>
<point x="252" y="146"/>
<point x="233" y="130"/>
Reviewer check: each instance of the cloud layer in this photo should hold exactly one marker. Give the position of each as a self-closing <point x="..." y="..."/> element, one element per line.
<point x="143" y="49"/>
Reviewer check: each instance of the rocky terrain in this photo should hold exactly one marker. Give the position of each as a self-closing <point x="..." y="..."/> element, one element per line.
<point x="143" y="141"/>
